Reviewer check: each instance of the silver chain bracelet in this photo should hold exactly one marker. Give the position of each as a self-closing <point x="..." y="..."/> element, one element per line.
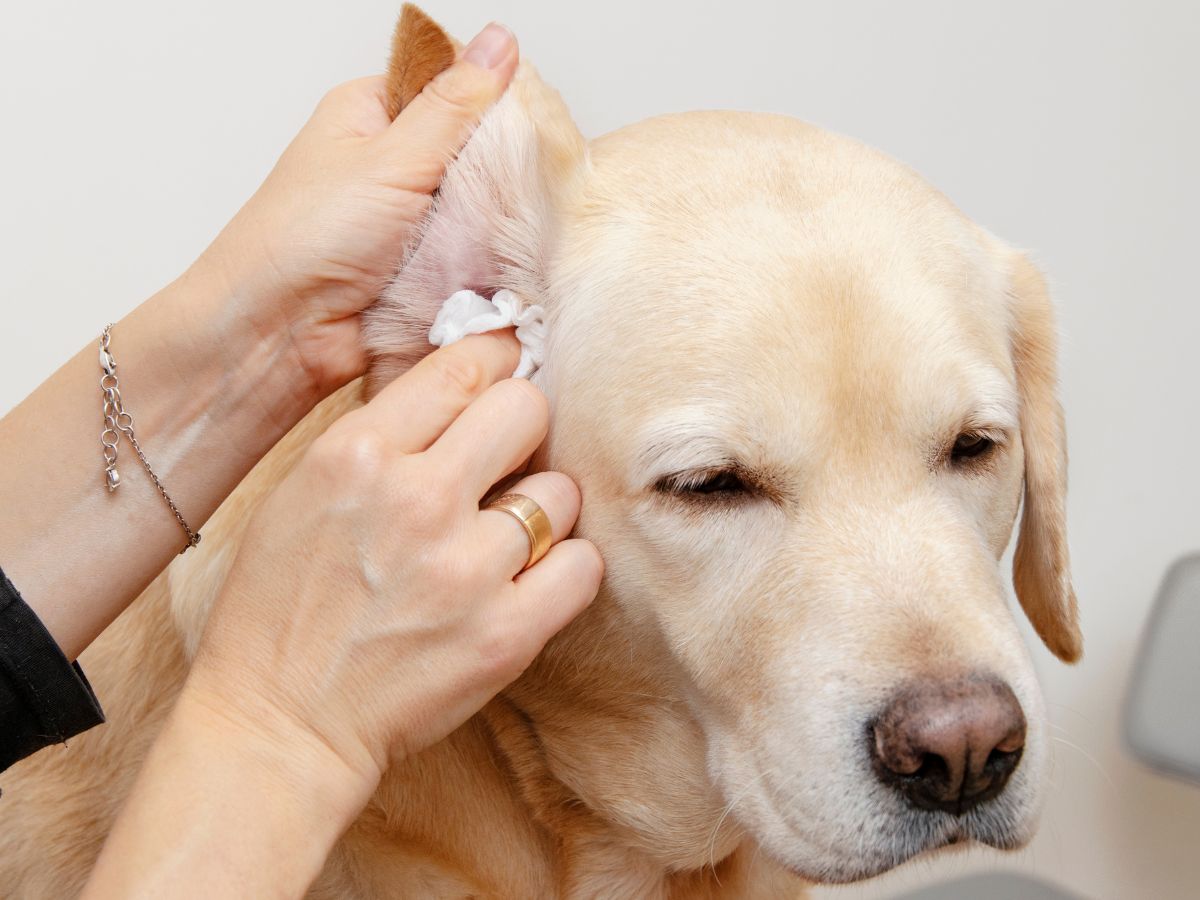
<point x="118" y="422"/>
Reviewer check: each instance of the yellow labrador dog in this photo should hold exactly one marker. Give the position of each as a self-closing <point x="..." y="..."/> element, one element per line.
<point x="803" y="396"/>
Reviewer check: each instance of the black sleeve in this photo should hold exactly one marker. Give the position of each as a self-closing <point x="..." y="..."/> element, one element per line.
<point x="43" y="698"/>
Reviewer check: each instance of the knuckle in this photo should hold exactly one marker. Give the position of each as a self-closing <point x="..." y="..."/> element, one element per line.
<point x="337" y="94"/>
<point x="455" y="91"/>
<point x="351" y="453"/>
<point x="461" y="375"/>
<point x="502" y="343"/>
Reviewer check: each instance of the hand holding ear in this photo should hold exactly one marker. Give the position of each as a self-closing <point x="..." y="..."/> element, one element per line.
<point x="318" y="241"/>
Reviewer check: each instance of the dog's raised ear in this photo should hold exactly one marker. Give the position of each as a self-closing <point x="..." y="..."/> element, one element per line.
<point x="420" y="51"/>
<point x="494" y="217"/>
<point x="1041" y="565"/>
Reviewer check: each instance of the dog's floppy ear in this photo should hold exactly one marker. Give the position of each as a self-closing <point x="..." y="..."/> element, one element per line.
<point x="1041" y="566"/>
<point x="494" y="218"/>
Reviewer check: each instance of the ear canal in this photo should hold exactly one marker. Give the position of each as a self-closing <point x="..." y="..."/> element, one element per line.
<point x="420" y="51"/>
<point x="1041" y="565"/>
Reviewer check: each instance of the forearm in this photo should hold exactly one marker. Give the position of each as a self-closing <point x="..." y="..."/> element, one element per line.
<point x="219" y="811"/>
<point x="210" y="391"/>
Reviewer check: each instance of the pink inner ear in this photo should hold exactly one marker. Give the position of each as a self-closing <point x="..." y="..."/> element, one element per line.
<point x="457" y="251"/>
<point x="488" y="226"/>
<point x="454" y="252"/>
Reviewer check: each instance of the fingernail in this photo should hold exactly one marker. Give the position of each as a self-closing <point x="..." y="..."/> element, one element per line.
<point x="490" y="47"/>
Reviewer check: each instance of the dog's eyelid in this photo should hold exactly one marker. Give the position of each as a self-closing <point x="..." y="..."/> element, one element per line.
<point x="727" y="478"/>
<point x="960" y="448"/>
<point x="687" y="479"/>
<point x="986" y="421"/>
<point x="996" y="434"/>
<point x="971" y="448"/>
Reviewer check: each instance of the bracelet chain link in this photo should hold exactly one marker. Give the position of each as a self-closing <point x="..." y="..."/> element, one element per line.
<point x="117" y="422"/>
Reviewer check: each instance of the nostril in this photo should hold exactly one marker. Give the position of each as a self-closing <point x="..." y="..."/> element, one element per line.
<point x="933" y="767"/>
<point x="1000" y="763"/>
<point x="929" y="778"/>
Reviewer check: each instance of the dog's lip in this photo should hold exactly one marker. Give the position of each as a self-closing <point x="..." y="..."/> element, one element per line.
<point x="843" y="869"/>
<point x="959" y="838"/>
<point x="855" y="871"/>
<point x="948" y="835"/>
<point x="945" y="834"/>
<point x="954" y="842"/>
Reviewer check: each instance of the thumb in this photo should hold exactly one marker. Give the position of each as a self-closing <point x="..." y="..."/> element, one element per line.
<point x="431" y="129"/>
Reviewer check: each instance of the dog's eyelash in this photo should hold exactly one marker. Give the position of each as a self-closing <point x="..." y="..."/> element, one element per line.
<point x="715" y="483"/>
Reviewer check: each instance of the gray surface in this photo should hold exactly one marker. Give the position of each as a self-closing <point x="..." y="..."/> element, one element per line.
<point x="995" y="886"/>
<point x="1162" y="711"/>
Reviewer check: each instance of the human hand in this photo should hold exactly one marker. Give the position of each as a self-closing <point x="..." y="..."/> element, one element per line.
<point x="319" y="240"/>
<point x="375" y="620"/>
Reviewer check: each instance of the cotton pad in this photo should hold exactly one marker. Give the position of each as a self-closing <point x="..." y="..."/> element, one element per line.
<point x="467" y="312"/>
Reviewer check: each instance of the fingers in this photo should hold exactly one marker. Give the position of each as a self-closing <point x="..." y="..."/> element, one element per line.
<point x="558" y="497"/>
<point x="493" y="436"/>
<point x="435" y="125"/>
<point x="557" y="589"/>
<point x="420" y="405"/>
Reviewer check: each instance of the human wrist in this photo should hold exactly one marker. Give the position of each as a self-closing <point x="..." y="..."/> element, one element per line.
<point x="275" y="753"/>
<point x="241" y="347"/>
<point x="209" y="387"/>
<point x="222" y="808"/>
<point x="315" y="318"/>
<point x="341" y="775"/>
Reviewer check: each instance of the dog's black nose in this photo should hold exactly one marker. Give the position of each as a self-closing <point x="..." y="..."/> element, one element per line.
<point x="949" y="745"/>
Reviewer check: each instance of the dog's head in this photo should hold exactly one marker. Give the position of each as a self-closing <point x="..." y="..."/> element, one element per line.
<point x="803" y="397"/>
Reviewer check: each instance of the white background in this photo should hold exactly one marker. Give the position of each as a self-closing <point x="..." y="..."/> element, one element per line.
<point x="133" y="130"/>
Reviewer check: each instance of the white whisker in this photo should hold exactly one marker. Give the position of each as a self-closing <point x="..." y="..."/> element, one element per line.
<point x="1088" y="757"/>
<point x="712" y="843"/>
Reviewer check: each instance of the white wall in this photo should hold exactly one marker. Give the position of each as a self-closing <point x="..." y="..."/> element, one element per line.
<point x="132" y="130"/>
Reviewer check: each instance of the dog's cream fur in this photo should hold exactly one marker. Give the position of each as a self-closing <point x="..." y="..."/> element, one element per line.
<point x="725" y="290"/>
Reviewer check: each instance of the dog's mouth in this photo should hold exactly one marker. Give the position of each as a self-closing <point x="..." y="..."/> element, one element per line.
<point x="849" y="872"/>
<point x="912" y="834"/>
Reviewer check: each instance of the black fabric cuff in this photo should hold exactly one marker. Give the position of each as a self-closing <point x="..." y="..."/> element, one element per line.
<point x="43" y="698"/>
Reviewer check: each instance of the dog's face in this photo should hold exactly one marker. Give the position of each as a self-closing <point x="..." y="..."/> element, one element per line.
<point x="784" y="377"/>
<point x="802" y="395"/>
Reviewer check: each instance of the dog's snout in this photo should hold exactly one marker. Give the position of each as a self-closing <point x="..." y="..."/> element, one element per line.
<point x="949" y="745"/>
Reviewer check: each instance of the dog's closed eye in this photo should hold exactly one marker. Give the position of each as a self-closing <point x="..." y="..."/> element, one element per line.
<point x="724" y="483"/>
<point x="972" y="448"/>
<point x="971" y="445"/>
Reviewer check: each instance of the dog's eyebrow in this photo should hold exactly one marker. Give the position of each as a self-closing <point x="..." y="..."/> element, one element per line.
<point x="994" y="402"/>
<point x="679" y="440"/>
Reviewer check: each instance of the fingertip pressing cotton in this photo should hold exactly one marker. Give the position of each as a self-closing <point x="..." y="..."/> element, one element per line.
<point x="467" y="312"/>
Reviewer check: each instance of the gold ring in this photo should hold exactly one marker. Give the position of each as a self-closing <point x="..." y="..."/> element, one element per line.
<point x="532" y="518"/>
